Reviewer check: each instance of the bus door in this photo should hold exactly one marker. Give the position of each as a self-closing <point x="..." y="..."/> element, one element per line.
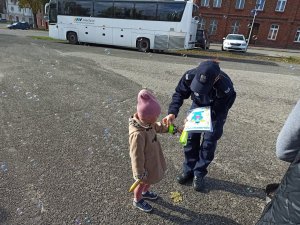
<point x="194" y="26"/>
<point x="52" y="12"/>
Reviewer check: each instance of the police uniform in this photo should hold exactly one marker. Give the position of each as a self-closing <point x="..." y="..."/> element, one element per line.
<point x="207" y="85"/>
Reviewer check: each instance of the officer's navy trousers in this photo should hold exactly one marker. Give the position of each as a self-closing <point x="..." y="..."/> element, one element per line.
<point x="200" y="149"/>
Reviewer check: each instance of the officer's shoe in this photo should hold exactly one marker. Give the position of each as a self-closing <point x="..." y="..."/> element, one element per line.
<point x="184" y="178"/>
<point x="198" y="183"/>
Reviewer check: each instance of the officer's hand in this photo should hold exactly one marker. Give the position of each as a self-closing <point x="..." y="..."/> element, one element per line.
<point x="169" y="119"/>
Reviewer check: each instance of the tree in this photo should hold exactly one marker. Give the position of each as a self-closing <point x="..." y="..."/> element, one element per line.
<point x="34" y="5"/>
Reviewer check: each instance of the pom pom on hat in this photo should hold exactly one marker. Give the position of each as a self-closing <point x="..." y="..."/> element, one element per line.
<point x="147" y="105"/>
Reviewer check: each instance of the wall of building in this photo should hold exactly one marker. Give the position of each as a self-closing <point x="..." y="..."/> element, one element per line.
<point x="41" y="23"/>
<point x="288" y="21"/>
<point x="15" y="13"/>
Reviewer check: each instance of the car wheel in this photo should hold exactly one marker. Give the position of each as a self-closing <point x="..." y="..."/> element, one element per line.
<point x="222" y="48"/>
<point x="72" y="38"/>
<point x="143" y="45"/>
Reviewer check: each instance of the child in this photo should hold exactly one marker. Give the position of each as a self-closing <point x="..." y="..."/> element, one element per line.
<point x="147" y="160"/>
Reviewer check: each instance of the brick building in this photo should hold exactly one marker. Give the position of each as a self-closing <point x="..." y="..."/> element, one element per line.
<point x="276" y="22"/>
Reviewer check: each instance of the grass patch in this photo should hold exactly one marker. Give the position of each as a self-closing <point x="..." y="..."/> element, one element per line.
<point x="239" y="55"/>
<point x="46" y="38"/>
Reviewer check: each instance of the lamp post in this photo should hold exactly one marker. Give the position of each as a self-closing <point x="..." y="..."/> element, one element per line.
<point x="254" y="12"/>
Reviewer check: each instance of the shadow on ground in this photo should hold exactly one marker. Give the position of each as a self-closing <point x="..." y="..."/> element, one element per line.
<point x="3" y="215"/>
<point x="234" y="188"/>
<point x="190" y="216"/>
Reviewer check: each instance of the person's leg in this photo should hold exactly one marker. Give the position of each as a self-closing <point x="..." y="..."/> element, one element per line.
<point x="191" y="156"/>
<point x="191" y="152"/>
<point x="146" y="188"/>
<point x="137" y="193"/>
<point x="138" y="200"/>
<point x="207" y="152"/>
<point x="146" y="194"/>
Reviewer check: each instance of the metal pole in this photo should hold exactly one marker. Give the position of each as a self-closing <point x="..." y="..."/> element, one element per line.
<point x="255" y="12"/>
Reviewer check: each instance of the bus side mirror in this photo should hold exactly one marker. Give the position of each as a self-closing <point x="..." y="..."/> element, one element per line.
<point x="196" y="18"/>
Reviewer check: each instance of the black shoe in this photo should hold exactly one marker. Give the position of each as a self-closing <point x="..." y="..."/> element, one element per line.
<point x="183" y="178"/>
<point x="198" y="184"/>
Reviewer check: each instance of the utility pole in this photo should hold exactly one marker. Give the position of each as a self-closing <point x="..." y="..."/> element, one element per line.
<point x="252" y="24"/>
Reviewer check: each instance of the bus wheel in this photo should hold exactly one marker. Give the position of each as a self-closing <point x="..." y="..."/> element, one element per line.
<point x="143" y="44"/>
<point x="72" y="38"/>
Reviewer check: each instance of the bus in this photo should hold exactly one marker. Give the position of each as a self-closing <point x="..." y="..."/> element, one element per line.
<point x="141" y="24"/>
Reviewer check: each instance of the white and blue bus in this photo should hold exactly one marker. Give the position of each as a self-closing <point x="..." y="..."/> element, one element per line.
<point x="141" y="24"/>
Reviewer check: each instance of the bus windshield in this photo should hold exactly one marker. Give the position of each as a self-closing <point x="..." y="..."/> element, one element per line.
<point x="52" y="13"/>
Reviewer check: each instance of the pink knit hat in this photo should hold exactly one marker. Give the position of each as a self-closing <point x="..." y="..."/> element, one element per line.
<point x="147" y="106"/>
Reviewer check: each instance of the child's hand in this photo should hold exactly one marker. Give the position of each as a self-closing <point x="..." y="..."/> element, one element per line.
<point x="141" y="176"/>
<point x="168" y="120"/>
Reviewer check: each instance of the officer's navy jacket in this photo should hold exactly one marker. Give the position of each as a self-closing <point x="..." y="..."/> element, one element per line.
<point x="220" y="98"/>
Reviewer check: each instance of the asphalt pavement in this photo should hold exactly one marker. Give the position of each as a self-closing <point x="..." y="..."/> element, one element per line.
<point x="64" y="158"/>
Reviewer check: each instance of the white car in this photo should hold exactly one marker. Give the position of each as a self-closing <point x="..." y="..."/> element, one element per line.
<point x="235" y="42"/>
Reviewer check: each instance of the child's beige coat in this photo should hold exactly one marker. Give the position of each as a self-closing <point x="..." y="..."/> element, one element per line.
<point x="145" y="151"/>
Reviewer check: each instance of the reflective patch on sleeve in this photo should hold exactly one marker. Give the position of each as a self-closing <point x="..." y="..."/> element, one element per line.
<point x="187" y="76"/>
<point x="228" y="90"/>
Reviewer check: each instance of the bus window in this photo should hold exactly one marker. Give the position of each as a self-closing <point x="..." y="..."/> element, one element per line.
<point x="123" y="10"/>
<point x="60" y="8"/>
<point x="195" y="11"/>
<point x="84" y="8"/>
<point x="78" y="8"/>
<point x="170" y="11"/>
<point x="103" y="9"/>
<point x="52" y="13"/>
<point x="145" y="11"/>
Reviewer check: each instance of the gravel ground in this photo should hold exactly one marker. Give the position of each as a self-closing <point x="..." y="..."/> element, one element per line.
<point x="64" y="144"/>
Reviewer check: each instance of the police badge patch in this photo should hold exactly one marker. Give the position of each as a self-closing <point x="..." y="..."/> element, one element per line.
<point x="203" y="78"/>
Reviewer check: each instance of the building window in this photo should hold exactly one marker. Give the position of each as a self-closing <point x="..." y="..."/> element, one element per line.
<point x="239" y="4"/>
<point x="260" y="4"/>
<point x="235" y="27"/>
<point x="213" y="26"/>
<point x="297" y="37"/>
<point x="201" y="24"/>
<point x="273" y="32"/>
<point x="217" y="3"/>
<point x="11" y="8"/>
<point x="280" y="5"/>
<point x="205" y="3"/>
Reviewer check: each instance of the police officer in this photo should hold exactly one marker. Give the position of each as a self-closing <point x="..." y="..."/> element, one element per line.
<point x="207" y="85"/>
